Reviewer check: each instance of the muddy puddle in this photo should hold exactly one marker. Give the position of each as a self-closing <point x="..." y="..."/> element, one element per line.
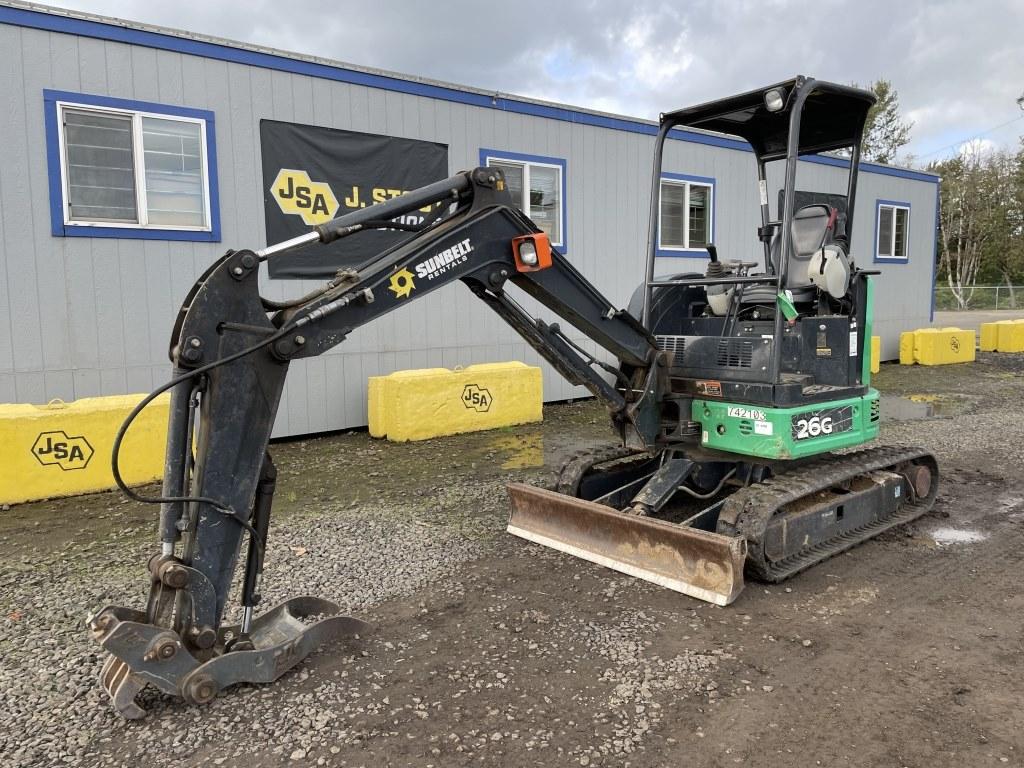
<point x="519" y="451"/>
<point x="916" y="407"/>
<point x="950" y="536"/>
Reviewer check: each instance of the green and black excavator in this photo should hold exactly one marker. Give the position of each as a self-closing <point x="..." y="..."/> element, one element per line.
<point x="732" y="392"/>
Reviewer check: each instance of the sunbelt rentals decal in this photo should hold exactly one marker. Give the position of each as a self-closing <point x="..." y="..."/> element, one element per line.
<point x="445" y="261"/>
<point x="403" y="282"/>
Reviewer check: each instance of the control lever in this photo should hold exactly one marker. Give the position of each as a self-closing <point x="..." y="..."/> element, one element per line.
<point x="718" y="295"/>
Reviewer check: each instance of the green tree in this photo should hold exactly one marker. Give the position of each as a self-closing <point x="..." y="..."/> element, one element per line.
<point x="1011" y="262"/>
<point x="885" y="131"/>
<point x="961" y="234"/>
<point x="981" y="219"/>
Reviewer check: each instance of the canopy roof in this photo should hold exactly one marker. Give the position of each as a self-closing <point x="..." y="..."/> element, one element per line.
<point x="833" y="117"/>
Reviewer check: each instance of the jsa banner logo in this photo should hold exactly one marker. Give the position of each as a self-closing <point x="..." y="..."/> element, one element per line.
<point x="298" y="194"/>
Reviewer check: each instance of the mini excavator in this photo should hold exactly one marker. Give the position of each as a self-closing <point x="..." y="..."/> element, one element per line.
<point x="732" y="393"/>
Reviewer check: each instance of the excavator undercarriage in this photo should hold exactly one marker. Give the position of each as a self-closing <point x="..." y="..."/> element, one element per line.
<point x="732" y="393"/>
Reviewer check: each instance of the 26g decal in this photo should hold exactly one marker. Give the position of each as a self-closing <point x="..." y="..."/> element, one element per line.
<point x="826" y="421"/>
<point x="812" y="427"/>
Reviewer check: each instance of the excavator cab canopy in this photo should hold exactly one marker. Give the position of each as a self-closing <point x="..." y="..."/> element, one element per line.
<point x="832" y="118"/>
<point x="781" y="122"/>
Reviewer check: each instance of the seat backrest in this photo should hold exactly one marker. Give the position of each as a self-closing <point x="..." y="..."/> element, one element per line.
<point x="810" y="225"/>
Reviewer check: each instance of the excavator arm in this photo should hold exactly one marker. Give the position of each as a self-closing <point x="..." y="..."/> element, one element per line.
<point x="231" y="350"/>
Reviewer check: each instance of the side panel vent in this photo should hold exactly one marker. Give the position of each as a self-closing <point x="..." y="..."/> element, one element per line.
<point x="735" y="353"/>
<point x="875" y="410"/>
<point x="674" y="344"/>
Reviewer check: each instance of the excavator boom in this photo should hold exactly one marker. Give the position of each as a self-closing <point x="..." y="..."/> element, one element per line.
<point x="231" y="350"/>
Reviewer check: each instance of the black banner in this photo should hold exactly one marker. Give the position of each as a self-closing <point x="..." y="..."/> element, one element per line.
<point x="312" y="175"/>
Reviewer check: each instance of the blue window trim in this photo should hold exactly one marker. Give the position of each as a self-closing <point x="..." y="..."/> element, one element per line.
<point x="935" y="254"/>
<point x="57" y="226"/>
<point x="121" y="33"/>
<point x="887" y="259"/>
<point x="499" y="154"/>
<point x="689" y="253"/>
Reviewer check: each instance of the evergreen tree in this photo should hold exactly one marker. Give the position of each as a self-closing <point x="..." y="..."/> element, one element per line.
<point x="885" y="131"/>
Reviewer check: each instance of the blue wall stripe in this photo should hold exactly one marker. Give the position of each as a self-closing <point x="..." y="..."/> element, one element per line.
<point x="23" y="17"/>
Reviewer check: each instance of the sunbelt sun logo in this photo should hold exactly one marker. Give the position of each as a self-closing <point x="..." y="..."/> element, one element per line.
<point x="298" y="194"/>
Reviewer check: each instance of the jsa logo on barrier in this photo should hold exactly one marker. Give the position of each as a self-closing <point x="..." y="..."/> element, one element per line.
<point x="66" y="452"/>
<point x="298" y="194"/>
<point x="477" y="398"/>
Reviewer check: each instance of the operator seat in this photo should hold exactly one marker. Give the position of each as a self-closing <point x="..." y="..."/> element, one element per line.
<point x="810" y="225"/>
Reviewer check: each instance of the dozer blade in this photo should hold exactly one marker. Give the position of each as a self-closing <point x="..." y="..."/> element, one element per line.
<point x="708" y="566"/>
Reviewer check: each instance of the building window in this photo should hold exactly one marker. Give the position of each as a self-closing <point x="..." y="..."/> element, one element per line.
<point x="892" y="228"/>
<point x="537" y="185"/>
<point x="130" y="169"/>
<point x="686" y="214"/>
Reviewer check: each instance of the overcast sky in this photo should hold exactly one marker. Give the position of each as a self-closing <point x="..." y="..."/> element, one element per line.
<point x="958" y="66"/>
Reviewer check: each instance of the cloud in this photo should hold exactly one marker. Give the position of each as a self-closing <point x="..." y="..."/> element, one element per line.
<point x="951" y="62"/>
<point x="977" y="148"/>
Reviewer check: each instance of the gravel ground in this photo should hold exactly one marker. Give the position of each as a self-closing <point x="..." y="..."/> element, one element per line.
<point x="906" y="651"/>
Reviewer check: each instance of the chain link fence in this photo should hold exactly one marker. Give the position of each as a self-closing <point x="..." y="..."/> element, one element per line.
<point x="980" y="297"/>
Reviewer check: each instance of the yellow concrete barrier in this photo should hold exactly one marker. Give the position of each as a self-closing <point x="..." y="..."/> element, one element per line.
<point x="988" y="336"/>
<point x="63" y="449"/>
<point x="420" y="404"/>
<point x="1003" y="336"/>
<point x="1010" y="337"/>
<point x="937" y="346"/>
<point x="907" y="347"/>
<point x="876" y="353"/>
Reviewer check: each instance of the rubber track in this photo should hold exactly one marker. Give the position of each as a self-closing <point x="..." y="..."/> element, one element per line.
<point x="577" y="465"/>
<point x="750" y="510"/>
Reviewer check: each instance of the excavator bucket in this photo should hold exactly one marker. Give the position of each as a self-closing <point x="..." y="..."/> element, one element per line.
<point x="144" y="654"/>
<point x="708" y="566"/>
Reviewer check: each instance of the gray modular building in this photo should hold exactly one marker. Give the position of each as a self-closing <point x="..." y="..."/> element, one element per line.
<point x="131" y="158"/>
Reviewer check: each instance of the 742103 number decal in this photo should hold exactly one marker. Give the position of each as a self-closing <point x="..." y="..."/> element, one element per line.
<point x="826" y="421"/>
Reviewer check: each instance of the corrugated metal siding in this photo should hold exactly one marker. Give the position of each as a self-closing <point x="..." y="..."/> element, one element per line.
<point x="89" y="317"/>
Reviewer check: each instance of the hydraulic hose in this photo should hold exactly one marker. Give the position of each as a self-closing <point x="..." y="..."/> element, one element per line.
<point x="115" y="452"/>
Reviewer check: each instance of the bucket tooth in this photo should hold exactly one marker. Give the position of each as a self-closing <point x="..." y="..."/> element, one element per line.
<point x="707" y="566"/>
<point x="122" y="685"/>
